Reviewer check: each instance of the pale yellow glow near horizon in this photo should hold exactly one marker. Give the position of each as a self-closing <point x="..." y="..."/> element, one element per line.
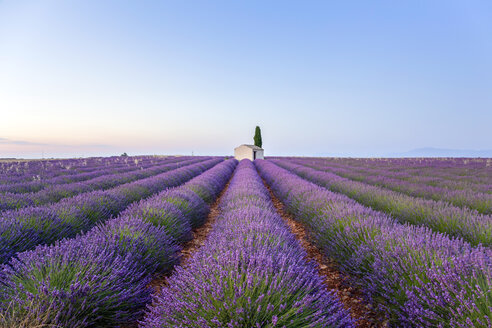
<point x="114" y="124"/>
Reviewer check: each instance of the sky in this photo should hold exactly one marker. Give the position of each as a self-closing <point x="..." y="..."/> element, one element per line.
<point x="321" y="78"/>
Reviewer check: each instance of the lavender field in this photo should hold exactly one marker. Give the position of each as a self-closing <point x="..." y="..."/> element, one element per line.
<point x="152" y="241"/>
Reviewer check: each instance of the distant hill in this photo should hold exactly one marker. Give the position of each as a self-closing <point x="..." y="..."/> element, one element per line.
<point x="440" y="152"/>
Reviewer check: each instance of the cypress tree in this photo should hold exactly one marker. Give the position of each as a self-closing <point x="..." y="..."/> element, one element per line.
<point x="257" y="137"/>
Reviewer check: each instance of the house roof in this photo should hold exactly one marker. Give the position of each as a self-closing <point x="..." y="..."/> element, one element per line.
<point x="251" y="146"/>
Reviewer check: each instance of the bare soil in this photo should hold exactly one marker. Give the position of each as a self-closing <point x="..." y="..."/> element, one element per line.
<point x="350" y="297"/>
<point x="199" y="236"/>
<point x="189" y="248"/>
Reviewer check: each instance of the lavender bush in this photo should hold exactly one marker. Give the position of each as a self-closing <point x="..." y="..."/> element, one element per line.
<point x="417" y="276"/>
<point x="162" y="214"/>
<point x="440" y="216"/>
<point x="99" y="279"/>
<point x="55" y="193"/>
<point x="189" y="203"/>
<point x="251" y="272"/>
<point x="89" y="284"/>
<point x="462" y="197"/>
<point x="65" y="219"/>
<point x="70" y="174"/>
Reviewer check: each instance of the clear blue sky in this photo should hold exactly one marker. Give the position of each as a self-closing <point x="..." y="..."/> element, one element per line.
<point x="80" y="78"/>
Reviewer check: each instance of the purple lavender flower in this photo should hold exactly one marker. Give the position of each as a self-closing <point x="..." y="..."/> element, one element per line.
<point x="99" y="278"/>
<point x="419" y="277"/>
<point x="250" y="272"/>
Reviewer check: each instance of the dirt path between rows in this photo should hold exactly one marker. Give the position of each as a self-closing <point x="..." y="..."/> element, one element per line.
<point x="199" y="236"/>
<point x="350" y="297"/>
<point x="189" y="248"/>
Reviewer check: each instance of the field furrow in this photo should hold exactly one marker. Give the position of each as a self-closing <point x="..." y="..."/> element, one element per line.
<point x="23" y="229"/>
<point x="251" y="272"/>
<point x="38" y="184"/>
<point x="101" y="278"/>
<point x="479" y="201"/>
<point x="418" y="277"/>
<point x="459" y="222"/>
<point x="9" y="201"/>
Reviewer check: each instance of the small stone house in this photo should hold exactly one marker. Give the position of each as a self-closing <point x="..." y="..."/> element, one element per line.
<point x="250" y="152"/>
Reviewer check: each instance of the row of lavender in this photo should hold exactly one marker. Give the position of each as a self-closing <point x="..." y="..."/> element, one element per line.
<point x="101" y="278"/>
<point x="474" y="174"/>
<point x="453" y="165"/>
<point x="440" y="216"/>
<point x="457" y="195"/>
<point x="74" y="175"/>
<point x="12" y="171"/>
<point x="55" y="193"/>
<point x="23" y="229"/>
<point x="23" y="171"/>
<point x="416" y="276"/>
<point x="251" y="272"/>
<point x="480" y="201"/>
